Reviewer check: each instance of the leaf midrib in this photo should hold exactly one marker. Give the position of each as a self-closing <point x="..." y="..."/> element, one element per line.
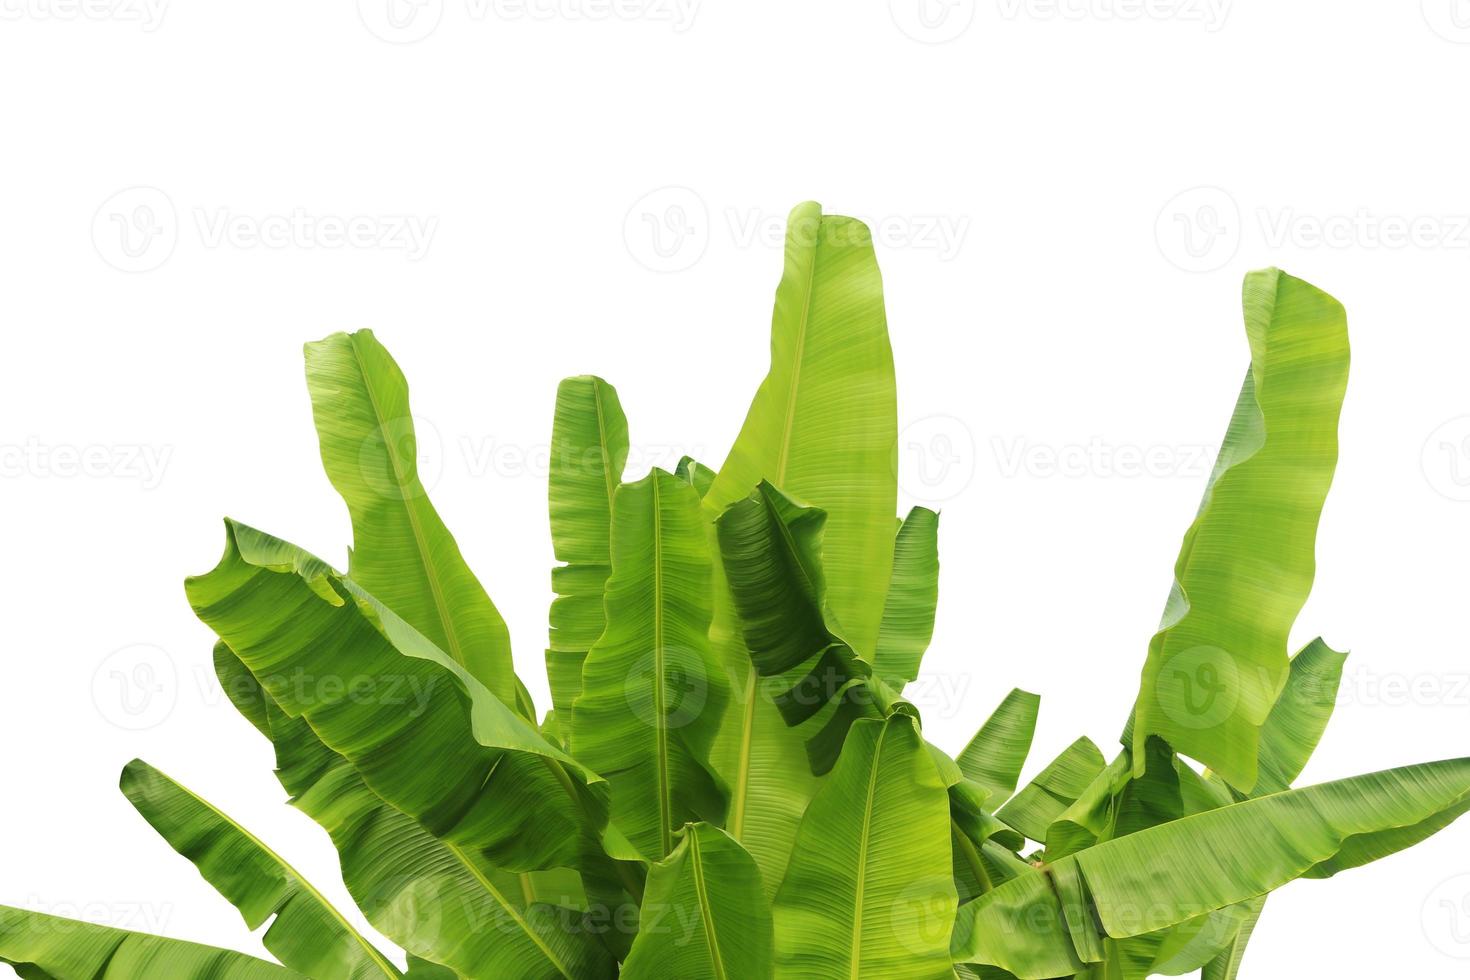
<point x="701" y="889"/>
<point x="660" y="723"/>
<point x="862" y="859"/>
<point x="296" y="878"/>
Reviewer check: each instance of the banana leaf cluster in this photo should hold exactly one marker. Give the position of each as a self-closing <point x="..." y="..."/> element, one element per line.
<point x="729" y="782"/>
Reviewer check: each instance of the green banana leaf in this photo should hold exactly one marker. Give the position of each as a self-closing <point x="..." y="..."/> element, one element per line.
<point x="434" y="899"/>
<point x="1226" y="966"/>
<point x="1300" y="716"/>
<point x="417" y="726"/>
<point x="1043" y="800"/>
<point x="45" y="947"/>
<point x="760" y="758"/>
<point x="402" y="552"/>
<point x="704" y="914"/>
<point x="307" y="934"/>
<point x="771" y="547"/>
<point x="913" y="595"/>
<point x="1219" y="659"/>
<point x="652" y="694"/>
<point x="996" y="754"/>
<point x="589" y="449"/>
<point x="868" y="891"/>
<point x="824" y="423"/>
<point x="1167" y="875"/>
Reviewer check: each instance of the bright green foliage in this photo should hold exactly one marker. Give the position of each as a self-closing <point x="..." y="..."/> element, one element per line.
<point x="730" y="784"/>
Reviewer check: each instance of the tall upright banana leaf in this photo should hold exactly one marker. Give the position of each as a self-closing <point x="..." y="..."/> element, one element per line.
<point x="822" y="427"/>
<point x="402" y="552"/>
<point x="1219" y="660"/>
<point x="589" y="448"/>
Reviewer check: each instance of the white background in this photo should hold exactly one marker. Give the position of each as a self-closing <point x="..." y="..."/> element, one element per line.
<point x="1057" y="289"/>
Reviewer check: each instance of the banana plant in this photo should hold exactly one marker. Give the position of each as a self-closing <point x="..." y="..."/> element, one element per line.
<point x="730" y="782"/>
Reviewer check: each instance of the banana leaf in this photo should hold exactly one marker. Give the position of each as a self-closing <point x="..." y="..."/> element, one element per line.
<point x="1219" y="660"/>
<point x="913" y="595"/>
<point x="402" y="552"/>
<point x="652" y="694"/>
<point x="996" y="754"/>
<point x="417" y="726"/>
<point x="307" y="933"/>
<point x="1161" y="877"/>
<point x="45" y="947"/>
<point x="868" y="891"/>
<point x="589" y="449"/>
<point x="704" y="914"/>
<point x="434" y="899"/>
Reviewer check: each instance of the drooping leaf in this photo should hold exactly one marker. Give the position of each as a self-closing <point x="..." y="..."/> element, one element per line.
<point x="704" y="914"/>
<point x="913" y="595"/>
<point x="1219" y="660"/>
<point x="589" y="449"/>
<point x="771" y="547"/>
<point x="823" y="426"/>
<point x="1170" y="874"/>
<point x="868" y="891"/>
<point x="46" y="947"/>
<point x="1033" y="810"/>
<point x="414" y="723"/>
<point x="431" y="898"/>
<point x="402" y="552"/>
<point x="652" y="694"/>
<point x="307" y="933"/>
<point x="996" y="754"/>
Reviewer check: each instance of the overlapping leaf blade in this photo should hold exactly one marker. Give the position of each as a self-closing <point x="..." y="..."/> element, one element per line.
<point x="432" y="898"/>
<point x="869" y="890"/>
<point x="1166" y="875"/>
<point x="704" y="914"/>
<point x="652" y="694"/>
<point x="823" y="425"/>
<point x="381" y="695"/>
